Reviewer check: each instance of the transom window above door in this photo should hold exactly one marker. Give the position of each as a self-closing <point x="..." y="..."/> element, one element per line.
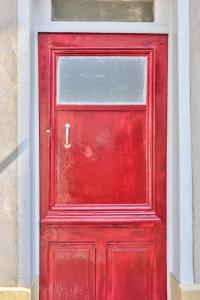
<point x="101" y="79"/>
<point x="103" y="10"/>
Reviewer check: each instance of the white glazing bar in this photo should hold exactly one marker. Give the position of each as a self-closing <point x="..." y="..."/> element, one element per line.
<point x="161" y="8"/>
<point x="45" y="24"/>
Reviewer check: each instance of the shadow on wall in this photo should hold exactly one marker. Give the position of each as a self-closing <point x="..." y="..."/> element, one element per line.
<point x="13" y="155"/>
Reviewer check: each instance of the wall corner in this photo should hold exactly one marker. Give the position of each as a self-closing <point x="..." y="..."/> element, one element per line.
<point x="183" y="292"/>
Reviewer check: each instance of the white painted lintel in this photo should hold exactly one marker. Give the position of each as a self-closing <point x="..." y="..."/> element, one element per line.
<point x="104" y="27"/>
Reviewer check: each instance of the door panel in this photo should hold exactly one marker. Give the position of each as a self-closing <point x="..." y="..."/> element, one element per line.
<point x="72" y="271"/>
<point x="102" y="262"/>
<point x="103" y="167"/>
<point x="106" y="163"/>
<point x="130" y="271"/>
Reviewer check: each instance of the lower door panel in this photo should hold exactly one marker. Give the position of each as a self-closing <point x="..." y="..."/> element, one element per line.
<point x="104" y="263"/>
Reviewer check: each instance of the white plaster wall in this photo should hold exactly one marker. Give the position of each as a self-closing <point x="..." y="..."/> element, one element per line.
<point x="8" y="144"/>
<point x="195" y="115"/>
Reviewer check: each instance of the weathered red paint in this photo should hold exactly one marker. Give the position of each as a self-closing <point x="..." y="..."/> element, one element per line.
<point x="103" y="201"/>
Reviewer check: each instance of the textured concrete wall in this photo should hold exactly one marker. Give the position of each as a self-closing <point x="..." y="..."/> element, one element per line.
<point x="195" y="113"/>
<point x="8" y="143"/>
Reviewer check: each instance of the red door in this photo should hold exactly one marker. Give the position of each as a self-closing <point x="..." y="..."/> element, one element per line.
<point x="103" y="105"/>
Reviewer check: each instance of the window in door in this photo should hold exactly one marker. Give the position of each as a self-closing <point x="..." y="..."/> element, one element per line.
<point x="102" y="80"/>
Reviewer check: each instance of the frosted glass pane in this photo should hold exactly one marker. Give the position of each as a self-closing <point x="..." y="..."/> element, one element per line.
<point x="103" y="10"/>
<point x="104" y="80"/>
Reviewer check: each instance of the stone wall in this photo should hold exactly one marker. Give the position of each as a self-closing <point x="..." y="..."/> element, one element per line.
<point x="8" y="143"/>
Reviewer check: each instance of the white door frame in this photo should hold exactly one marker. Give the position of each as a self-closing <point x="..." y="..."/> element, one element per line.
<point x="179" y="180"/>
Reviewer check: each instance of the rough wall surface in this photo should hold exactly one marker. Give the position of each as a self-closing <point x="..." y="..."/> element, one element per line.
<point x="8" y="143"/>
<point x="195" y="114"/>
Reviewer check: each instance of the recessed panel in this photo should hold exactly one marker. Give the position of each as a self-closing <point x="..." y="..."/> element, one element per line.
<point x="101" y="80"/>
<point x="105" y="161"/>
<point x="103" y="10"/>
<point x="72" y="271"/>
<point x="130" y="271"/>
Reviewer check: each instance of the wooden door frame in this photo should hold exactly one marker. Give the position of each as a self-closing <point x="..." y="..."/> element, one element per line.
<point x="179" y="237"/>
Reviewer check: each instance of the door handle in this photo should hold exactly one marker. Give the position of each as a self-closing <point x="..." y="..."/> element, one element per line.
<point x="67" y="132"/>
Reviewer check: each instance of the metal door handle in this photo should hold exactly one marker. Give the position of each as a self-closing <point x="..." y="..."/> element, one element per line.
<point x="67" y="128"/>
